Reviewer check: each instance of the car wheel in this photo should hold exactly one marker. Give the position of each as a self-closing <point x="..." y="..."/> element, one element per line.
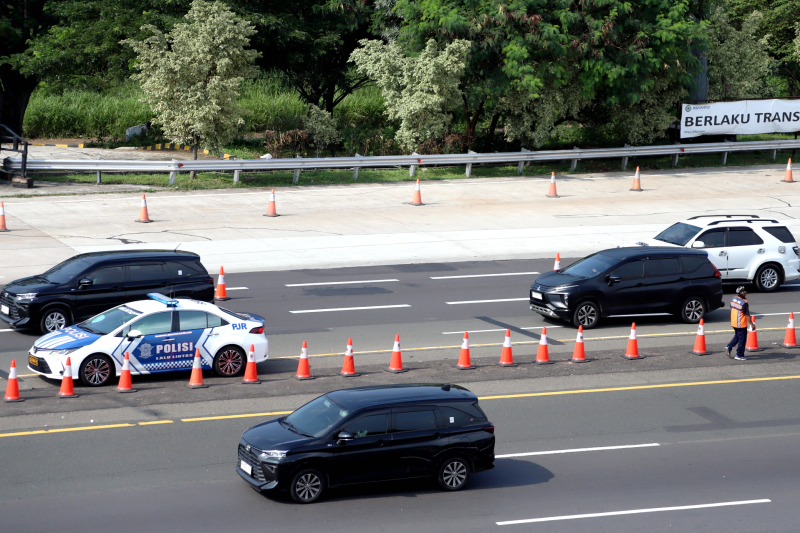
<point x="693" y="309"/>
<point x="96" y="370"/>
<point x="54" y="318"/>
<point x="454" y="474"/>
<point x="307" y="486"/>
<point x="587" y="314"/>
<point x="229" y="362"/>
<point x="768" y="278"/>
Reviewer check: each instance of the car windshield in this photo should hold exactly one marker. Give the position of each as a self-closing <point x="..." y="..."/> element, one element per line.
<point x="106" y="322"/>
<point x="678" y="234"/>
<point x="65" y="271"/>
<point x="590" y="266"/>
<point x="317" y="417"/>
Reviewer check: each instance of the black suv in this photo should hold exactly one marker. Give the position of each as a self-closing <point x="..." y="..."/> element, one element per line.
<point x="370" y="434"/>
<point x="88" y="284"/>
<point x="630" y="281"/>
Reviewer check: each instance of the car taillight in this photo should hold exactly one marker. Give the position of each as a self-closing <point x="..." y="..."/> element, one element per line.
<point x="716" y="272"/>
<point x="259" y="330"/>
<point x="490" y="429"/>
<point x="209" y="280"/>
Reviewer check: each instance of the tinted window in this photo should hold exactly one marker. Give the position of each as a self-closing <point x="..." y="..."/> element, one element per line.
<point x="780" y="233"/>
<point x="152" y="324"/>
<point x="697" y="267"/>
<point x="591" y="266"/>
<point x="146" y="272"/>
<point x="318" y="416"/>
<point x="662" y="267"/>
<point x="632" y="270"/>
<point x="214" y="321"/>
<point x="743" y="237"/>
<point x="107" y="276"/>
<point x="714" y="238"/>
<point x="106" y="322"/>
<point x="679" y="234"/>
<point x="368" y="425"/>
<point x="177" y="270"/>
<point x="65" y="271"/>
<point x="415" y="421"/>
<point x="192" y="320"/>
<point x="456" y="417"/>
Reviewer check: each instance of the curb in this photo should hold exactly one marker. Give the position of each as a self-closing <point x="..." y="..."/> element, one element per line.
<point x="176" y="146"/>
<point x="59" y="145"/>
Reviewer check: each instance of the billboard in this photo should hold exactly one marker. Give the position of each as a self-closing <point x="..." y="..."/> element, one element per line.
<point x="742" y="117"/>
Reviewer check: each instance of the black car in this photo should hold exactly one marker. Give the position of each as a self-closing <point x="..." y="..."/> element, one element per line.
<point x="630" y="281"/>
<point x="370" y="434"/>
<point x="88" y="284"/>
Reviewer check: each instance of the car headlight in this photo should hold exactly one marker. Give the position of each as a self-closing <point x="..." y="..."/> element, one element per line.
<point x="272" y="455"/>
<point x="26" y="296"/>
<point x="65" y="351"/>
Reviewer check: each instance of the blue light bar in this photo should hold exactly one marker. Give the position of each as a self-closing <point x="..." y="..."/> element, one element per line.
<point x="163" y="299"/>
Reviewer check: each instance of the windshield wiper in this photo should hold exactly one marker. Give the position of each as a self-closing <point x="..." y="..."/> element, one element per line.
<point x="294" y="428"/>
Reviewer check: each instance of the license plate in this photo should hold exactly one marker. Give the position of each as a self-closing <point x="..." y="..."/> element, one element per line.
<point x="246" y="467"/>
<point x="34" y="361"/>
<point x="4" y="310"/>
<point x="537" y="295"/>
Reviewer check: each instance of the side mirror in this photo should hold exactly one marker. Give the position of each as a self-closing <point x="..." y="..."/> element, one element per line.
<point x="344" y="437"/>
<point x="86" y="282"/>
<point x="134" y="334"/>
<point x="698" y="244"/>
<point x="613" y="279"/>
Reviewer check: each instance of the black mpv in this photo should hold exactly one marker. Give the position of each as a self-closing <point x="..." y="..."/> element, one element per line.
<point x="630" y="281"/>
<point x="88" y="284"/>
<point x="370" y="434"/>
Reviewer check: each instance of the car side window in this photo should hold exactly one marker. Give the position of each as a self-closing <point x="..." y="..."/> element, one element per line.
<point x="192" y="320"/>
<point x="714" y="238"/>
<point x="632" y="270"/>
<point x="152" y="272"/>
<point x="697" y="267"/>
<point x="780" y="233"/>
<point x="177" y="270"/>
<point x="415" y="420"/>
<point x="743" y="237"/>
<point x="107" y="275"/>
<point x="369" y="425"/>
<point x="152" y="324"/>
<point x="214" y="321"/>
<point x="456" y="417"/>
<point x="667" y="266"/>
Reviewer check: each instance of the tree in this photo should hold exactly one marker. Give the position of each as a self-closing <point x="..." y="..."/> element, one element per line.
<point x="191" y="75"/>
<point x="322" y="128"/>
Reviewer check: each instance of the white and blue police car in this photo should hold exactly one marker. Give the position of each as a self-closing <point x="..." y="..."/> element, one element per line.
<point x="160" y="334"/>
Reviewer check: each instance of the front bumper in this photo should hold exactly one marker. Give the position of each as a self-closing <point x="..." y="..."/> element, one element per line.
<point x="47" y="365"/>
<point x="18" y="316"/>
<point x="262" y="476"/>
<point x="549" y="310"/>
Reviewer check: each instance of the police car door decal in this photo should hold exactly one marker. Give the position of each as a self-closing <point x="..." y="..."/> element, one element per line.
<point x="169" y="351"/>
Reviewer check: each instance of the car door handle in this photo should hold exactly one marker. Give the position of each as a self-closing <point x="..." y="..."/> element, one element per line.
<point x="379" y="443"/>
<point x="723" y="254"/>
<point x="761" y="250"/>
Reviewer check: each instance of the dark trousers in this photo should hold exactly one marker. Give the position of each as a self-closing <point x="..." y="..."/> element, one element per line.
<point x="740" y="337"/>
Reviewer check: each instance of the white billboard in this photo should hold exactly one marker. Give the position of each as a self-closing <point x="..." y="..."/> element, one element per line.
<point x="743" y="117"/>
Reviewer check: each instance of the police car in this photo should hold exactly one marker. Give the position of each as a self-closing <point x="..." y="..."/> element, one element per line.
<point x="160" y="334"/>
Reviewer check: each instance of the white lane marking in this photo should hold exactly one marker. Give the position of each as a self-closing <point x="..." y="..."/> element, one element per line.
<point x="576" y="450"/>
<point x="485" y="275"/>
<point x="772" y="314"/>
<point x="350" y="308"/>
<point x="488" y="330"/>
<point x="633" y="511"/>
<point x="489" y="301"/>
<point x="1" y="330"/>
<point x="639" y="314"/>
<point x="341" y="282"/>
<point x="236" y="288"/>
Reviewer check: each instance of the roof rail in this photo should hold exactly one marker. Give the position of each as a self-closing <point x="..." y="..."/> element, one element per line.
<point x="726" y="216"/>
<point x="748" y="221"/>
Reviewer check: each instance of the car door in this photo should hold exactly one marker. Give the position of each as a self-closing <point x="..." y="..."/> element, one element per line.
<point x="180" y="279"/>
<point x="194" y="327"/>
<point x="664" y="280"/>
<point x="744" y="249"/>
<point x="152" y="351"/>
<point x="714" y="241"/>
<point x="144" y="278"/>
<point x="107" y="290"/>
<point x="367" y="456"/>
<point x="417" y="438"/>
<point x="629" y="294"/>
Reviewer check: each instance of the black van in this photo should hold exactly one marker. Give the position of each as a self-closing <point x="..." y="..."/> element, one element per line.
<point x="88" y="284"/>
<point x="370" y="434"/>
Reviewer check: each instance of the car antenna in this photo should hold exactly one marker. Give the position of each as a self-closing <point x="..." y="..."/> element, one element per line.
<point x="176" y="248"/>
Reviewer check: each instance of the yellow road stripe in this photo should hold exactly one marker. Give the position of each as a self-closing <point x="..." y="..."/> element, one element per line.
<point x="154" y="422"/>
<point x="64" y="430"/>
<point x="227" y="417"/>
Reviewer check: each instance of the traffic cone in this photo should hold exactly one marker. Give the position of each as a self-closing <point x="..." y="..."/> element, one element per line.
<point x="552" y="192"/>
<point x="579" y="353"/>
<point x="752" y="340"/>
<point x="271" y="210"/>
<point x="396" y="364"/>
<point x="250" y="371"/>
<point x="700" y="340"/>
<point x="303" y="370"/>
<point x="349" y="366"/>
<point x="221" y="293"/>
<point x="788" y="177"/>
<point x="557" y="264"/>
<point x="143" y="216"/>
<point x="633" y="345"/>
<point x="506" y="357"/>
<point x="12" y="389"/>
<point x="637" y="185"/>
<point x="542" y="354"/>
<point x="67" y="389"/>
<point x="790" y="339"/>
<point x="196" y="379"/>
<point x="463" y="358"/>
<point x="3" y="217"/>
<point x="417" y="199"/>
<point x="125" y="383"/>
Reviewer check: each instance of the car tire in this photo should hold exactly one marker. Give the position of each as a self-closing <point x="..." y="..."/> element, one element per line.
<point x="97" y="370"/>
<point x="768" y="278"/>
<point x="693" y="309"/>
<point x="307" y="486"/>
<point x="229" y="362"/>
<point x="453" y="474"/>
<point x="54" y="318"/>
<point x="587" y="314"/>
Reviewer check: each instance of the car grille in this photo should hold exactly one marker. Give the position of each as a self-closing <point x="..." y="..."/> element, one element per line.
<point x="250" y="458"/>
<point x="42" y="367"/>
<point x="8" y="300"/>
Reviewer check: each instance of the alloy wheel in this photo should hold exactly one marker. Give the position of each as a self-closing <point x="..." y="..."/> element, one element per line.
<point x="454" y="474"/>
<point x="769" y="278"/>
<point x="308" y="486"/>
<point x="230" y="362"/>
<point x="694" y="310"/>
<point x="55" y="320"/>
<point x="587" y="315"/>
<point x="97" y="371"/>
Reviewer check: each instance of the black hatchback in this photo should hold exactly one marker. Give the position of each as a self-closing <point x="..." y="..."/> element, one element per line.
<point x="88" y="284"/>
<point x="630" y="281"/>
<point x="367" y="435"/>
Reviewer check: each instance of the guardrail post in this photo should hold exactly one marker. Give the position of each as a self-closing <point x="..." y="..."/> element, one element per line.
<point x="99" y="175"/>
<point x="236" y="176"/>
<point x="296" y="176"/>
<point x="355" y="169"/>
<point x="412" y="170"/>
<point x="522" y="163"/>
<point x="468" y="172"/>
<point x="675" y="159"/>
<point x="173" y="175"/>
<point x="574" y="164"/>
<point x="625" y="160"/>
<point x="725" y="156"/>
<point x="774" y="155"/>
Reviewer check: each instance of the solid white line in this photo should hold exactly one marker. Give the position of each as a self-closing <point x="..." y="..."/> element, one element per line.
<point x="633" y="511"/>
<point x="1" y="330"/>
<point x="236" y="288"/>
<point x="576" y="450"/>
<point x="350" y="308"/>
<point x="489" y="301"/>
<point x="340" y="282"/>
<point x="486" y="275"/>
<point x="772" y="314"/>
<point x="488" y="330"/>
<point x="639" y="314"/>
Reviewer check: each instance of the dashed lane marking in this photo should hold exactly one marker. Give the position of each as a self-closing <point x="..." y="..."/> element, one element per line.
<point x="489" y="301"/>
<point x="237" y="288"/>
<point x="341" y="282"/>
<point x="349" y="308"/>
<point x="578" y="450"/>
<point x="490" y="330"/>
<point x="486" y="275"/>
<point x="156" y="422"/>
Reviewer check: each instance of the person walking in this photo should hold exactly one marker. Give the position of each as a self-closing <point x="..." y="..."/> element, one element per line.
<point x="740" y="320"/>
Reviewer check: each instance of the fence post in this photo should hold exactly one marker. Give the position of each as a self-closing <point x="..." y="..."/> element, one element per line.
<point x="412" y="170"/>
<point x="355" y="169"/>
<point x="521" y="164"/>
<point x="625" y="160"/>
<point x="468" y="172"/>
<point x="574" y="164"/>
<point x="236" y="176"/>
<point x="99" y="175"/>
<point x="173" y="174"/>
<point x="296" y="176"/>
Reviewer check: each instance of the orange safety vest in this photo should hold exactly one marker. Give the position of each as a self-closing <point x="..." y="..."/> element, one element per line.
<point x="738" y="314"/>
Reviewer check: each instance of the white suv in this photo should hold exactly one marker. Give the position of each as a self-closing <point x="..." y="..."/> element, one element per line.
<point x="744" y="248"/>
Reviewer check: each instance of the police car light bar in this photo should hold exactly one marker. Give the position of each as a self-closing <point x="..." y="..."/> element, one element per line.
<point x="163" y="299"/>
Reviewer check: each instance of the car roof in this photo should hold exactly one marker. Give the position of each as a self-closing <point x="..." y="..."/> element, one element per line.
<point x="628" y="252"/>
<point x="149" y="305"/>
<point x="724" y="220"/>
<point x="388" y="395"/>
<point x="128" y="255"/>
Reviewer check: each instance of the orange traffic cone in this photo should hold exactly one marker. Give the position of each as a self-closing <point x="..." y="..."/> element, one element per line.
<point x="196" y="379"/>
<point x="221" y="293"/>
<point x="788" y="177"/>
<point x="349" y="366"/>
<point x="752" y="339"/>
<point x="579" y="353"/>
<point x="463" y="358"/>
<point x="557" y="264"/>
<point x="3" y="217"/>
<point x="700" y="340"/>
<point x="417" y="199"/>
<point x="506" y="356"/>
<point x="125" y="383"/>
<point x="790" y="339"/>
<point x="637" y="185"/>
<point x="552" y="192"/>
<point x="12" y="389"/>
<point x="633" y="345"/>
<point x="303" y="369"/>
<point x="542" y="354"/>
<point x="143" y="216"/>
<point x="250" y="371"/>
<point x="396" y="364"/>
<point x="67" y="389"/>
<point x="271" y="210"/>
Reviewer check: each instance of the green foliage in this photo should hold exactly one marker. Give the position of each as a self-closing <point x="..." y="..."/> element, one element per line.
<point x="322" y="128"/>
<point x="269" y="105"/>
